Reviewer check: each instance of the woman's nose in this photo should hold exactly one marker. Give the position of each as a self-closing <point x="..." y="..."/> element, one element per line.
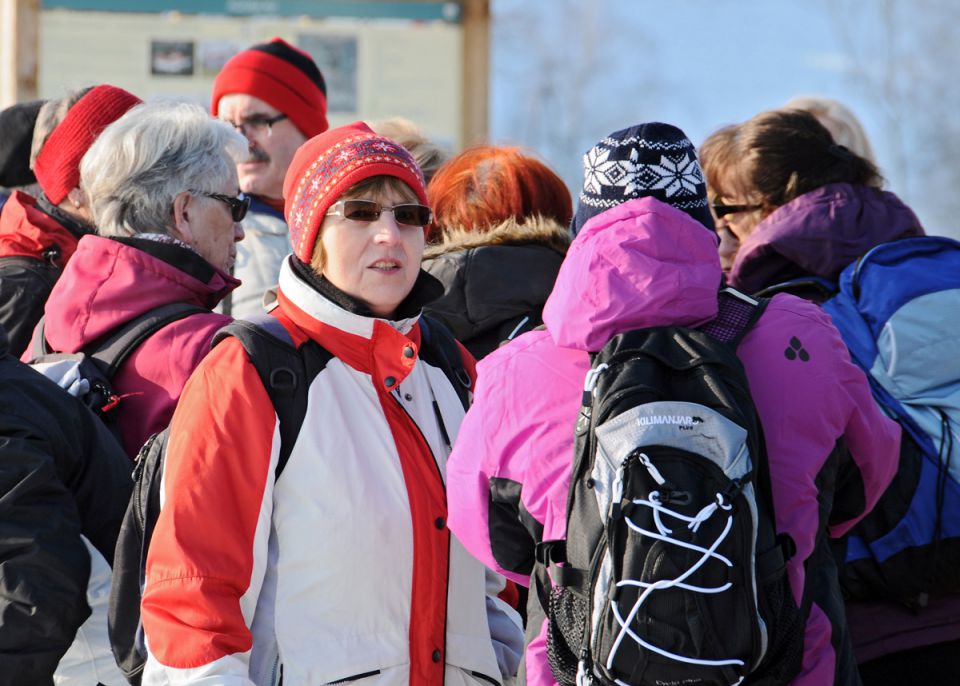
<point x="386" y="227"/>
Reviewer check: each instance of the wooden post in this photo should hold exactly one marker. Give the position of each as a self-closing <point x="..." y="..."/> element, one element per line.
<point x="476" y="71"/>
<point x="19" y="47"/>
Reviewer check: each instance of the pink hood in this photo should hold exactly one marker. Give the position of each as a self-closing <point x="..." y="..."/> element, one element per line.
<point x="645" y="264"/>
<point x="111" y="283"/>
<point x="107" y="283"/>
<point x="636" y="265"/>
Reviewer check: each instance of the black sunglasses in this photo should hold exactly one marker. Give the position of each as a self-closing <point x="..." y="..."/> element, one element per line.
<point x="238" y="205"/>
<point x="721" y="210"/>
<point x="411" y="214"/>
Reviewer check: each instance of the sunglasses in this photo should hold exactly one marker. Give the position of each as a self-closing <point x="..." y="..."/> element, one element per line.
<point x="411" y="214"/>
<point x="721" y="210"/>
<point x="238" y="205"/>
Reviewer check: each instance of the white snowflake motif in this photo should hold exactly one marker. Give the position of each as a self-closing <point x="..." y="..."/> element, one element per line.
<point x="383" y="146"/>
<point x="315" y="185"/>
<point x="342" y="156"/>
<point x="298" y="217"/>
<point x="678" y="176"/>
<point x="600" y="171"/>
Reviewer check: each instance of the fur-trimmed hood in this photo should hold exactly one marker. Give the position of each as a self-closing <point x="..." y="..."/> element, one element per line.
<point x="495" y="283"/>
<point x="535" y="230"/>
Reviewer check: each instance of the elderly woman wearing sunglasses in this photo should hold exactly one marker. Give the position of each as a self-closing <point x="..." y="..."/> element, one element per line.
<point x="162" y="185"/>
<point x="342" y="568"/>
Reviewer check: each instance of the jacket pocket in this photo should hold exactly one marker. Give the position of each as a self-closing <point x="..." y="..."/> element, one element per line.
<point x="356" y="677"/>
<point x="485" y="678"/>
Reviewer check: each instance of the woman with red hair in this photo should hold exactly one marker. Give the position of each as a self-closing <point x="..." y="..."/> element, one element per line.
<point x="499" y="237"/>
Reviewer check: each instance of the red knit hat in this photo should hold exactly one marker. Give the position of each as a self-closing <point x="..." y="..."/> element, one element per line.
<point x="281" y="75"/>
<point x="57" y="167"/>
<point x="327" y="165"/>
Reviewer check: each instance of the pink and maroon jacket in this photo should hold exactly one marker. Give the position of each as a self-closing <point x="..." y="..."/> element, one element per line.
<point x="109" y="282"/>
<point x="640" y="264"/>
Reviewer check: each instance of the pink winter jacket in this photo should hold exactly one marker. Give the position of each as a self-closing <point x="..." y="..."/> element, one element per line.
<point x="109" y="282"/>
<point x="641" y="264"/>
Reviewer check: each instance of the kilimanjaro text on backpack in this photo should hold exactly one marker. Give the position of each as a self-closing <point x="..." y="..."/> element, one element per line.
<point x="671" y="571"/>
<point x="286" y="373"/>
<point x="898" y="311"/>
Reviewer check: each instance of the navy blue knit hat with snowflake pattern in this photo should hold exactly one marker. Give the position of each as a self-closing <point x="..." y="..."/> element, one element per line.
<point x="648" y="160"/>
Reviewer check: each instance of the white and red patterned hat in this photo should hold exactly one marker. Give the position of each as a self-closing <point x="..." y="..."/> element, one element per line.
<point x="330" y="163"/>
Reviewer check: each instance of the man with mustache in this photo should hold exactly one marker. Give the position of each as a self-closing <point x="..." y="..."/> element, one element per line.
<point x="275" y="95"/>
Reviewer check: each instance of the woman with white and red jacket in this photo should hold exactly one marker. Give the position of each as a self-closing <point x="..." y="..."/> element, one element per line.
<point x="643" y="258"/>
<point x="342" y="569"/>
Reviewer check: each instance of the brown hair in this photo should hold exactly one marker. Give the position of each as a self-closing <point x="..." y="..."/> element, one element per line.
<point x="717" y="154"/>
<point x="372" y="187"/>
<point x="782" y="154"/>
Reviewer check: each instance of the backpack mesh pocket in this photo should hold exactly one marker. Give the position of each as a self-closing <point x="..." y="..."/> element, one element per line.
<point x="567" y="621"/>
<point x="785" y="653"/>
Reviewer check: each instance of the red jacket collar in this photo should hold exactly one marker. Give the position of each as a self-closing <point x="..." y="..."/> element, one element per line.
<point x="28" y="231"/>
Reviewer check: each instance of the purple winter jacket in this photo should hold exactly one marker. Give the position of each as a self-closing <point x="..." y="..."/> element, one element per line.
<point x="107" y="283"/>
<point x="640" y="264"/>
<point x="819" y="233"/>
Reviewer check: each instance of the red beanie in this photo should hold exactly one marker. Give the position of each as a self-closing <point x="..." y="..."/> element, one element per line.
<point x="281" y="75"/>
<point x="57" y="167"/>
<point x="329" y="164"/>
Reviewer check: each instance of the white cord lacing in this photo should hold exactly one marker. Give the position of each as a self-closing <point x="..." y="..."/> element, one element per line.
<point x="663" y="533"/>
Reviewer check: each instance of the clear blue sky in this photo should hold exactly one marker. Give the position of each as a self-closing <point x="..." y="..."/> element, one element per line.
<point x="566" y="72"/>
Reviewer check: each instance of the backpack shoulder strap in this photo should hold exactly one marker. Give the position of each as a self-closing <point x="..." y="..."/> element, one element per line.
<point x="38" y="343"/>
<point x="112" y="350"/>
<point x="438" y="336"/>
<point x="285" y="370"/>
<point x="736" y="315"/>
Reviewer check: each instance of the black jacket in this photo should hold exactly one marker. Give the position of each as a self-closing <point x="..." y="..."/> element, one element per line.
<point x="496" y="283"/>
<point x="62" y="474"/>
<point x="25" y="284"/>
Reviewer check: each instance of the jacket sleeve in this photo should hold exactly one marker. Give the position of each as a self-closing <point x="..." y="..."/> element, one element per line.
<point x="870" y="452"/>
<point x="45" y="563"/>
<point x="506" y="627"/>
<point x="207" y="559"/>
<point x="469" y="479"/>
<point x="24" y="288"/>
<point x="485" y="474"/>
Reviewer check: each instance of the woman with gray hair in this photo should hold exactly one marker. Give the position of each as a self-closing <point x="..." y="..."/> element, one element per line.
<point x="162" y="186"/>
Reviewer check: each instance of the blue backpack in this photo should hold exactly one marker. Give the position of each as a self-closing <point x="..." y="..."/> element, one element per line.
<point x="898" y="310"/>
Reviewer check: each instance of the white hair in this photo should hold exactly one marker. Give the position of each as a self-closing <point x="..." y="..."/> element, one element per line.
<point x="142" y="161"/>
<point x="49" y="116"/>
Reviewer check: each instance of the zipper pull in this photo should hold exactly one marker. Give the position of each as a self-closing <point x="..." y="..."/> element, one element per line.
<point x="443" y="428"/>
<point x="591" y="379"/>
<point x="654" y="472"/>
<point x="616" y="493"/>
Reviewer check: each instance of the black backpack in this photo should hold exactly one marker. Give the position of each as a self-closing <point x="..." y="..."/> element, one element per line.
<point x="671" y="571"/>
<point x="89" y="374"/>
<point x="286" y="373"/>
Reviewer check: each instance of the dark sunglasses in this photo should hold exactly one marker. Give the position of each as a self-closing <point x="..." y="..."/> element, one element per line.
<point x="721" y="210"/>
<point x="410" y="214"/>
<point x="238" y="205"/>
